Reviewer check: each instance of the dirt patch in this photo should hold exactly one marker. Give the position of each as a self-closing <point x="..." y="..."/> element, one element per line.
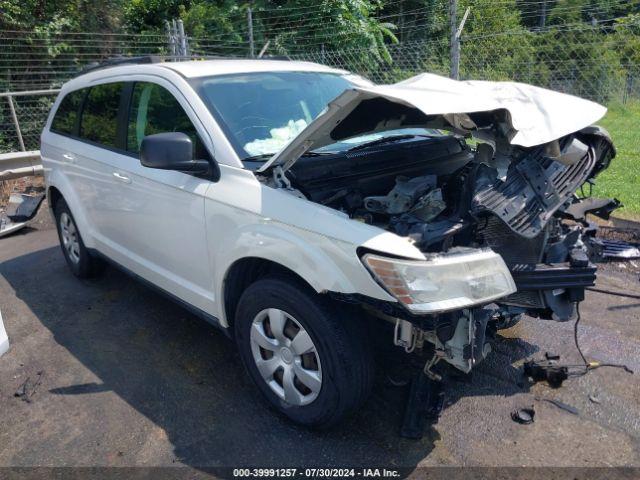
<point x="631" y="235"/>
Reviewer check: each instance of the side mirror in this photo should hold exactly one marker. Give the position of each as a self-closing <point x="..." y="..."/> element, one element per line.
<point x="171" y="151"/>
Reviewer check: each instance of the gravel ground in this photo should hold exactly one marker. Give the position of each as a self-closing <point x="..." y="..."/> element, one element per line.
<point x="124" y="377"/>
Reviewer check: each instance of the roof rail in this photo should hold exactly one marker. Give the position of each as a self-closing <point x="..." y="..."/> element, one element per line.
<point x="148" y="59"/>
<point x="112" y="62"/>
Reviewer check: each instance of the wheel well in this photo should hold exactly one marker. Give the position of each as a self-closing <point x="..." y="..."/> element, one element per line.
<point x="246" y="271"/>
<point x="54" y="196"/>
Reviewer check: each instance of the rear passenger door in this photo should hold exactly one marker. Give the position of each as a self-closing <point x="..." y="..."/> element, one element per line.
<point x="90" y="166"/>
<point x="159" y="228"/>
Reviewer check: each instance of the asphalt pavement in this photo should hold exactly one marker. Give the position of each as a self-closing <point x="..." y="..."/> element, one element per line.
<point x="118" y="375"/>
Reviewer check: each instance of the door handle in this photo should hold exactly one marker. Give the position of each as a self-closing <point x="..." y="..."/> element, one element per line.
<point x="122" y="178"/>
<point x="69" y="158"/>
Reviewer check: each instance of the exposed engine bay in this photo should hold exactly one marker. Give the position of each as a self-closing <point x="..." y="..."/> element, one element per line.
<point x="445" y="194"/>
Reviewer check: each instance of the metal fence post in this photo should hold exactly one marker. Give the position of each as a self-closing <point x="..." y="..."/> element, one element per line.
<point x="16" y="124"/>
<point x="455" y="43"/>
<point x="252" y="48"/>
<point x="170" y="40"/>
<point x="184" y="50"/>
<point x="454" y="47"/>
<point x="174" y="36"/>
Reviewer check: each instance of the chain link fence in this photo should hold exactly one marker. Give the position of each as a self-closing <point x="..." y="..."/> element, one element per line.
<point x="585" y="61"/>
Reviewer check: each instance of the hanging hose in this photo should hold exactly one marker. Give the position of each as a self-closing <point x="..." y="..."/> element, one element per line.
<point x="617" y="294"/>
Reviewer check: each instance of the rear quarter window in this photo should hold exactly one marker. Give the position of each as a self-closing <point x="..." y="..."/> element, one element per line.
<point x="64" y="121"/>
<point x="99" y="122"/>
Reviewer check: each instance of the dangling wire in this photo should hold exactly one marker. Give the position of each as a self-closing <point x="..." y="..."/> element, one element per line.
<point x="589" y="365"/>
<point x="575" y="334"/>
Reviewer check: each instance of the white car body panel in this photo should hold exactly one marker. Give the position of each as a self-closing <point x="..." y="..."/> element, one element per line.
<point x="197" y="229"/>
<point x="317" y="243"/>
<point x="537" y="115"/>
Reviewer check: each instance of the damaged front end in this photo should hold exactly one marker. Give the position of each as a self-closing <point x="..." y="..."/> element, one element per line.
<point x="499" y="220"/>
<point x="528" y="215"/>
<point x="531" y="216"/>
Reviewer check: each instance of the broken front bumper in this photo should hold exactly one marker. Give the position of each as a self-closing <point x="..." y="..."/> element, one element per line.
<point x="550" y="291"/>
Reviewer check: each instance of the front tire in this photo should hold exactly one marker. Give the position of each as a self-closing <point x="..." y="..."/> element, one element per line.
<point x="311" y="362"/>
<point x="79" y="260"/>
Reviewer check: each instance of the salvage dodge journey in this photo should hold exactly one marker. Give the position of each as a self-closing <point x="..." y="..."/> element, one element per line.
<point x="311" y="214"/>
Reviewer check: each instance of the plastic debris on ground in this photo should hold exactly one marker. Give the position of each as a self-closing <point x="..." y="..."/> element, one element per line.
<point x="4" y="338"/>
<point x="523" y="416"/>
<point x="21" y="209"/>
<point x="563" y="406"/>
<point x="29" y="387"/>
<point x="618" y="249"/>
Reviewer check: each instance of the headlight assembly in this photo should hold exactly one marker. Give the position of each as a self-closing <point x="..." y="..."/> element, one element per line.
<point x="443" y="282"/>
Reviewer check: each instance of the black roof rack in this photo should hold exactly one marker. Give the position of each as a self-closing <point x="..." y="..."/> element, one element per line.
<point x="148" y="59"/>
<point x="112" y="62"/>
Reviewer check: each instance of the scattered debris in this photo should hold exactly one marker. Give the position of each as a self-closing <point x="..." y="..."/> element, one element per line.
<point x="600" y="207"/>
<point x="21" y="209"/>
<point x="547" y="370"/>
<point x="27" y="390"/>
<point x="555" y="373"/>
<point x="594" y="399"/>
<point x="561" y="405"/>
<point x="523" y="416"/>
<point x="617" y="249"/>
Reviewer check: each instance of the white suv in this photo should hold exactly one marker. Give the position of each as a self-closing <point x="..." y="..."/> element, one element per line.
<point x="301" y="209"/>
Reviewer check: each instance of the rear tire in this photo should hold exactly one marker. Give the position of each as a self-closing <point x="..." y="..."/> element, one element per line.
<point x="279" y="318"/>
<point x="80" y="261"/>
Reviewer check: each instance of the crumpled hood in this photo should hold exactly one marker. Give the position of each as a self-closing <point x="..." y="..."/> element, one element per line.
<point x="536" y="115"/>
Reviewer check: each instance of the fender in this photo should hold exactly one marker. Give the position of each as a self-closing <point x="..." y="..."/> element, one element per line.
<point x="316" y="242"/>
<point x="325" y="264"/>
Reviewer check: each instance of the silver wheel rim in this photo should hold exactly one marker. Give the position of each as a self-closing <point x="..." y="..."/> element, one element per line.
<point x="286" y="357"/>
<point x="70" y="240"/>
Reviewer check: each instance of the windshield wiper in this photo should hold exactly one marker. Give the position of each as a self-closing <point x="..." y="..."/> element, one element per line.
<point x="383" y="140"/>
<point x="311" y="153"/>
<point x="266" y="156"/>
<point x="258" y="158"/>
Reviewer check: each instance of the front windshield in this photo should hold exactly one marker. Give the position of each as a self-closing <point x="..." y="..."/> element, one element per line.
<point x="262" y="112"/>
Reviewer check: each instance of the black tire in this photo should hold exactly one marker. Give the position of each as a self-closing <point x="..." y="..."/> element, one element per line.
<point x="338" y="335"/>
<point x="83" y="265"/>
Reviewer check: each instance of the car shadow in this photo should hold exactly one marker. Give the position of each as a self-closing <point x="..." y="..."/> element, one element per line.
<point x="185" y="376"/>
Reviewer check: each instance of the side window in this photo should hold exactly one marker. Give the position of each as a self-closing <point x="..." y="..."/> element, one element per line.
<point x="99" y="122"/>
<point x="155" y="110"/>
<point x="64" y="121"/>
